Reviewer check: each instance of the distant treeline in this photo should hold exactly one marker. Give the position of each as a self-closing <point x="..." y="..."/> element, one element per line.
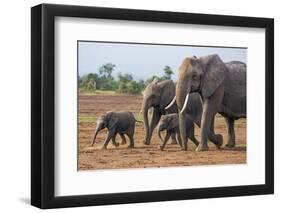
<point x="125" y="83"/>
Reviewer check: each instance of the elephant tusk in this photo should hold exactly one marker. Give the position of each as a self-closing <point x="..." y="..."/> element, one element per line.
<point x="171" y="103"/>
<point x="185" y="103"/>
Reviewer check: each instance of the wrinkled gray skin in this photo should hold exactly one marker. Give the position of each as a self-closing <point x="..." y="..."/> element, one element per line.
<point x="222" y="87"/>
<point x="121" y="122"/>
<point x="170" y="123"/>
<point x="157" y="95"/>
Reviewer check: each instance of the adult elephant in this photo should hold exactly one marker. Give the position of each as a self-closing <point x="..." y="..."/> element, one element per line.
<point x="222" y="87"/>
<point x="157" y="95"/>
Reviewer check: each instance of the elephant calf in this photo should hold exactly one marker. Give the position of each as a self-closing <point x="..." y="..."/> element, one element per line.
<point x="121" y="122"/>
<point x="170" y="123"/>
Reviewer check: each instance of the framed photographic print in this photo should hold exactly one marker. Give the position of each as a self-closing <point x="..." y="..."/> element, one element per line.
<point x="139" y="106"/>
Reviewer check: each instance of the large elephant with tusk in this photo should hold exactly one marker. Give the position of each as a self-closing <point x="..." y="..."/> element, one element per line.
<point x="156" y="96"/>
<point x="222" y="87"/>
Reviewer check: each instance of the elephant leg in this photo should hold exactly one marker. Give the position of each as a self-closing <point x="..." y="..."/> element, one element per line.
<point x="108" y="138"/>
<point x="205" y="124"/>
<point x="131" y="139"/>
<point x="174" y="140"/>
<point x="154" y="121"/>
<point x="210" y="108"/>
<point x="217" y="139"/>
<point x="114" y="140"/>
<point x="168" y="134"/>
<point x="123" y="139"/>
<point x="231" y="132"/>
<point x="180" y="141"/>
<point x="192" y="136"/>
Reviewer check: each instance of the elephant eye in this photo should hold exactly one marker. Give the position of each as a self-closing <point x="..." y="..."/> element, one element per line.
<point x="194" y="76"/>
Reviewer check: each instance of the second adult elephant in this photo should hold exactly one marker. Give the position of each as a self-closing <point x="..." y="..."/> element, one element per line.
<point x="222" y="87"/>
<point x="157" y="95"/>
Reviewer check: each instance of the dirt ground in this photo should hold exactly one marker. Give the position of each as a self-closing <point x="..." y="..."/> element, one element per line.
<point x="143" y="156"/>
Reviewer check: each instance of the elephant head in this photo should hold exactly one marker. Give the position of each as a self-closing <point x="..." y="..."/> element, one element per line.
<point x="167" y="122"/>
<point x="203" y="75"/>
<point x="156" y="95"/>
<point x="104" y="121"/>
<point x="163" y="124"/>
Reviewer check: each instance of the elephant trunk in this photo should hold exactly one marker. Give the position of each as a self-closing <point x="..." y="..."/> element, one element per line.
<point x="182" y="94"/>
<point x="145" y="108"/>
<point x="95" y="135"/>
<point x="159" y="134"/>
<point x="182" y="128"/>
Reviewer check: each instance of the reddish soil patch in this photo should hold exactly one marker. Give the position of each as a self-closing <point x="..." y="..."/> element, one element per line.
<point x="143" y="156"/>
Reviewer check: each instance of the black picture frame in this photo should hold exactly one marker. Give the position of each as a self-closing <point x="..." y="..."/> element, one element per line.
<point x="43" y="105"/>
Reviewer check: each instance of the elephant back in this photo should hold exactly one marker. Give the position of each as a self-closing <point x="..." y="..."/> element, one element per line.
<point x="235" y="82"/>
<point x="235" y="90"/>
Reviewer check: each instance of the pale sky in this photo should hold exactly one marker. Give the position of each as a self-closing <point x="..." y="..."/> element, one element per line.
<point x="145" y="60"/>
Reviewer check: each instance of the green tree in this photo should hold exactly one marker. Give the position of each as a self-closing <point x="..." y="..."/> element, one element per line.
<point x="168" y="72"/>
<point x="127" y="84"/>
<point x="122" y="87"/>
<point x="132" y="87"/>
<point x="106" y="80"/>
<point x="125" y="78"/>
<point x="141" y="85"/>
<point x="108" y="84"/>
<point x="91" y="86"/>
<point x="106" y="70"/>
<point x="89" y="82"/>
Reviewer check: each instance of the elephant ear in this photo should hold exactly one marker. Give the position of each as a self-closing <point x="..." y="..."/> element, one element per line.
<point x="167" y="92"/>
<point x="111" y="120"/>
<point x="214" y="75"/>
<point x="172" y="123"/>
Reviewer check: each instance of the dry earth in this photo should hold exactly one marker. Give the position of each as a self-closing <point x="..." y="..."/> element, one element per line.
<point x="142" y="156"/>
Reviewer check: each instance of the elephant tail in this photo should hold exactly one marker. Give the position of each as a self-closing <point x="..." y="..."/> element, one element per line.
<point x="138" y="121"/>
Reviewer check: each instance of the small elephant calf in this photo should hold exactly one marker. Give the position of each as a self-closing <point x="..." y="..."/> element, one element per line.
<point x="170" y="123"/>
<point x="120" y="122"/>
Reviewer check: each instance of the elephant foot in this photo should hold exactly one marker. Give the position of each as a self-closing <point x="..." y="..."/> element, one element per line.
<point x="230" y="145"/>
<point x="104" y="148"/>
<point x="145" y="142"/>
<point x="161" y="148"/>
<point x="116" y="145"/>
<point x="196" y="143"/>
<point x="184" y="148"/>
<point x="131" y="146"/>
<point x="218" y="141"/>
<point x="219" y="145"/>
<point x="202" y="147"/>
